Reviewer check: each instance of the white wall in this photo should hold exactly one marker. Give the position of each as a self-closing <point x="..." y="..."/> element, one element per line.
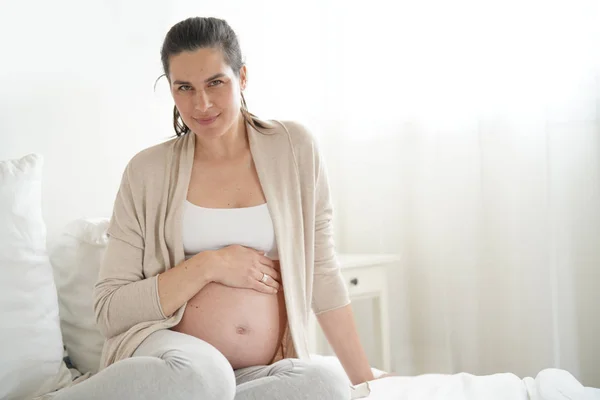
<point x="77" y="88"/>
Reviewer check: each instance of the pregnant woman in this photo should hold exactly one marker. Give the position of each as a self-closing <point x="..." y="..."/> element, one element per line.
<point x="220" y="244"/>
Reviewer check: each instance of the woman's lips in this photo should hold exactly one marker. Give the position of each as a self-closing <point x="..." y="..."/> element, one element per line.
<point x="206" y="121"/>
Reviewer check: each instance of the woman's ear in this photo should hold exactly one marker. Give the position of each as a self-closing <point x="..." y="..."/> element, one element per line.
<point x="243" y="77"/>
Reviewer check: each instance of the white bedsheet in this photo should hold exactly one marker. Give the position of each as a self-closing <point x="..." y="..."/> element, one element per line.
<point x="550" y="384"/>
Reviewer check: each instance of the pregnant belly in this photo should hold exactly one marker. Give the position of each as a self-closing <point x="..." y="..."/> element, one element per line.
<point x="243" y="324"/>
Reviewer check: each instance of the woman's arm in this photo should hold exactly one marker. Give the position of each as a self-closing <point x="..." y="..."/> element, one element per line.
<point x="330" y="300"/>
<point x="177" y="285"/>
<point x="340" y="330"/>
<point x="124" y="297"/>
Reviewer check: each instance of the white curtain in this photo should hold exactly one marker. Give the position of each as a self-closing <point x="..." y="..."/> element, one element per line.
<point x="465" y="135"/>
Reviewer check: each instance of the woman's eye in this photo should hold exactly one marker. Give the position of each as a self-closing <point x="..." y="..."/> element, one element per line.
<point x="216" y="82"/>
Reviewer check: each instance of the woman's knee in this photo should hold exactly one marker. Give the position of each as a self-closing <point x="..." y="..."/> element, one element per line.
<point x="324" y="382"/>
<point x="206" y="374"/>
<point x="194" y="367"/>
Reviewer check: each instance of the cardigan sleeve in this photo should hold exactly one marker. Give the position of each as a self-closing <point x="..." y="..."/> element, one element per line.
<point x="123" y="296"/>
<point x="329" y="289"/>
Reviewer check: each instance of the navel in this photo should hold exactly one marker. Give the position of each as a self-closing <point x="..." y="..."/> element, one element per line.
<point x="242" y="330"/>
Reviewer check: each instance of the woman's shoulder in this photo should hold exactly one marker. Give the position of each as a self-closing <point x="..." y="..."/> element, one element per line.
<point x="299" y="134"/>
<point x="295" y="129"/>
<point x="152" y="158"/>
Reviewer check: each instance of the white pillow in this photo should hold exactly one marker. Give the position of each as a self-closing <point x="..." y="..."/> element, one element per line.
<point x="76" y="256"/>
<point x="31" y="348"/>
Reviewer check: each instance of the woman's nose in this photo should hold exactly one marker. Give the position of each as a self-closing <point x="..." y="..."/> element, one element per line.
<point x="202" y="101"/>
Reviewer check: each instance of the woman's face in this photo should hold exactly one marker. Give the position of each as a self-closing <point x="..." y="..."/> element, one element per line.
<point x="206" y="91"/>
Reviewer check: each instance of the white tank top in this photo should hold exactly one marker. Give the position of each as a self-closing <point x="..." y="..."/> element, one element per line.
<point x="215" y="228"/>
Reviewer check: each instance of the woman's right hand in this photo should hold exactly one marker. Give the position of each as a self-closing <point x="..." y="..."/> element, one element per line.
<point x="242" y="267"/>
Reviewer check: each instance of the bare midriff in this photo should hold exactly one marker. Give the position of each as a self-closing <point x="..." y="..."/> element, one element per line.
<point x="245" y="325"/>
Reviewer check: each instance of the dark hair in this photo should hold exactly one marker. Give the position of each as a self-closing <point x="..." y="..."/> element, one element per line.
<point x="197" y="33"/>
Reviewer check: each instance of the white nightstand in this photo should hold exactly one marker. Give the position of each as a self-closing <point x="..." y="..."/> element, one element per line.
<point x="366" y="276"/>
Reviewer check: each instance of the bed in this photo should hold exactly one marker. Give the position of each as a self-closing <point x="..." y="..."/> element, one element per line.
<point x="549" y="384"/>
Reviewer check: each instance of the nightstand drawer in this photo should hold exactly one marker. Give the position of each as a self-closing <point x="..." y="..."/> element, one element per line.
<point x="365" y="280"/>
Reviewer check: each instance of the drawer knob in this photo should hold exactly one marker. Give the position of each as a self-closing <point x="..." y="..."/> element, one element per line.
<point x="354" y="281"/>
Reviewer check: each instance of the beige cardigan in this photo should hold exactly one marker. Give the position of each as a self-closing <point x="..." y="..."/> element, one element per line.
<point x="146" y="236"/>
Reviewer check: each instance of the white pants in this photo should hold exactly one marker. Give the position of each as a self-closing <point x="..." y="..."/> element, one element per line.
<point x="174" y="366"/>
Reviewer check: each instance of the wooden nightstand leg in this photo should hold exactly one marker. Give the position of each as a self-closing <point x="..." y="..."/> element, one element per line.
<point x="384" y="317"/>
<point x="313" y="334"/>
